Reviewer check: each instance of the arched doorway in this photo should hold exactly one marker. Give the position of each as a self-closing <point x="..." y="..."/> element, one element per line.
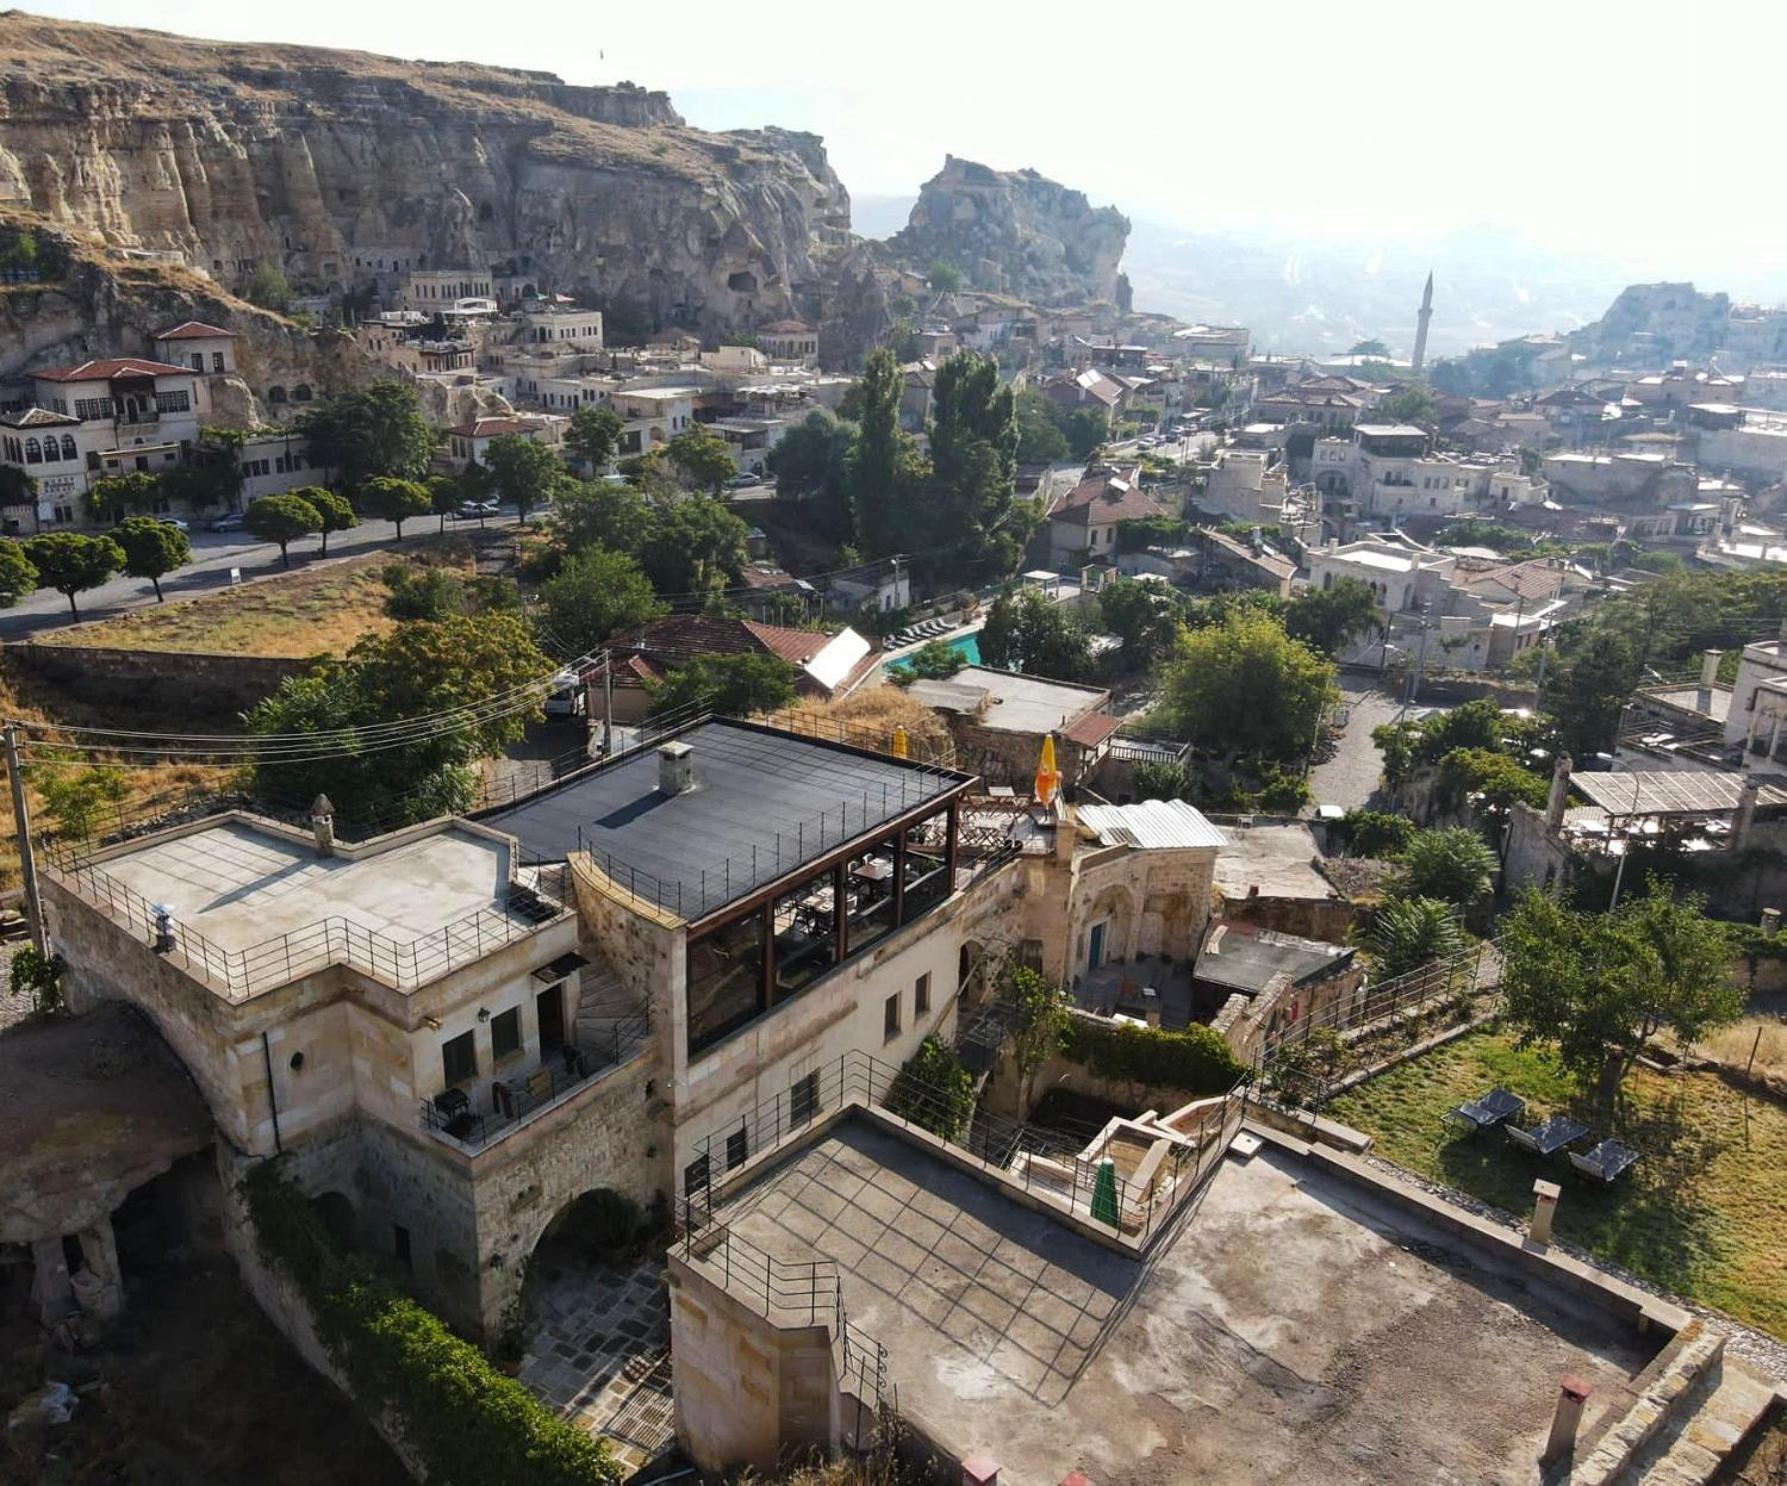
<point x="339" y="1217"/>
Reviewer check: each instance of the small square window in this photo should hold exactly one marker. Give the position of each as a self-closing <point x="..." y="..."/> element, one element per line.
<point x="738" y="1146"/>
<point x="803" y="1099"/>
<point x="695" y="1176"/>
<point x="890" y="1020"/>
<point x="921" y="995"/>
<point x="505" y="1033"/>
<point x="459" y="1058"/>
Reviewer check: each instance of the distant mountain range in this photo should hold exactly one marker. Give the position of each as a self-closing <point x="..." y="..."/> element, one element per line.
<point x="1315" y="292"/>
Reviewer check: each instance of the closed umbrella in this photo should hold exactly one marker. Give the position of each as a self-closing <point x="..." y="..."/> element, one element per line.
<point x="1048" y="777"/>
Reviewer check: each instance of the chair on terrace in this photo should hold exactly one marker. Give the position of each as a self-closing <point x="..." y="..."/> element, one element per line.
<point x="1606" y="1161"/>
<point x="1493" y="1108"/>
<point x="1548" y="1137"/>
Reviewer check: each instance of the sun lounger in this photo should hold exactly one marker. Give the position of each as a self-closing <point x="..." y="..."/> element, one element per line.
<point x="1549" y="1136"/>
<point x="1606" y="1161"/>
<point x="1493" y="1108"/>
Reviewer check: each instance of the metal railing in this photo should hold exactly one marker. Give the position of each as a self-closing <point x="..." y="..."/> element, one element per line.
<point x="578" y="1065"/>
<point x="1044" y="1161"/>
<point x="240" y="973"/>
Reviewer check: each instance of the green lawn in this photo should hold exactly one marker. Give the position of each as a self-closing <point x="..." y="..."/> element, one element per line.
<point x="1703" y="1213"/>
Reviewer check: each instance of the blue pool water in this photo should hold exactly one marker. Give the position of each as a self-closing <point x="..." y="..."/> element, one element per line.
<point x="967" y="646"/>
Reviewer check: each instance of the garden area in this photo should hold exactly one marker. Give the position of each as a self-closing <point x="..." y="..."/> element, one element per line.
<point x="312" y="611"/>
<point x="1703" y="1212"/>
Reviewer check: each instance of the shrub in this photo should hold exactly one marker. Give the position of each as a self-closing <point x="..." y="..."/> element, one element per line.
<point x="1376" y="833"/>
<point x="1196" y="1060"/>
<point x="462" y="1421"/>
<point x="38" y="977"/>
<point x="933" y="1089"/>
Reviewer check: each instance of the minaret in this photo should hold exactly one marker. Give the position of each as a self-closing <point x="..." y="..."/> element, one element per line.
<point x="1419" y="359"/>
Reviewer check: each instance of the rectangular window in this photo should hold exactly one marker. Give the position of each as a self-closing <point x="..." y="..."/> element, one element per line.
<point x="737" y="1148"/>
<point x="174" y="402"/>
<point x="890" y="1018"/>
<point x="803" y="1099"/>
<point x="198" y="361"/>
<point x="400" y="1245"/>
<point x="921" y="994"/>
<point x="695" y="1177"/>
<point x="505" y="1033"/>
<point x="459" y="1058"/>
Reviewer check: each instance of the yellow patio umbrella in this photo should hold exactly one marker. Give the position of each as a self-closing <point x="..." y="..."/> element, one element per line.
<point x="1048" y="777"/>
<point x="899" y="743"/>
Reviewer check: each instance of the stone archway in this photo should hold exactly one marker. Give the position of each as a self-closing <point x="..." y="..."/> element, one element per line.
<point x="338" y="1216"/>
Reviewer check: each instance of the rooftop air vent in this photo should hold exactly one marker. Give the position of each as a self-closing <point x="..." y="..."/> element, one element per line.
<point x="676" y="768"/>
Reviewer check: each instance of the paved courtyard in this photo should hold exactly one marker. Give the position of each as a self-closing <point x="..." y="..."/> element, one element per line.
<point x="600" y="1351"/>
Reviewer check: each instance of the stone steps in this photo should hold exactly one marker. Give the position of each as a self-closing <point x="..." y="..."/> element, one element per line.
<point x="602" y="1001"/>
<point x="1730" y="1402"/>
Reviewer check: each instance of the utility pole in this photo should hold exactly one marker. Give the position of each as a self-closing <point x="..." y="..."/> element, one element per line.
<point x="21" y="816"/>
<point x="607" y="704"/>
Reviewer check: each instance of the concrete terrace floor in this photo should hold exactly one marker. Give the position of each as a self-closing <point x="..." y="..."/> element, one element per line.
<point x="1294" y="1328"/>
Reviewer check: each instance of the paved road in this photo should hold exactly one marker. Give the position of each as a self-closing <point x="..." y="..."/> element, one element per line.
<point x="214" y="554"/>
<point x="1350" y="777"/>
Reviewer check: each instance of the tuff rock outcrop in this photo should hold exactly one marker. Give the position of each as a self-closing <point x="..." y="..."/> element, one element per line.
<point x="239" y="155"/>
<point x="1016" y="232"/>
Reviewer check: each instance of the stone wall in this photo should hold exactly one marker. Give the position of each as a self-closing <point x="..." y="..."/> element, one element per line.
<point x="198" y="685"/>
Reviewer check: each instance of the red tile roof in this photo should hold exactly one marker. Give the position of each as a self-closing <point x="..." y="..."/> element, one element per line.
<point x="679" y="637"/>
<point x="193" y="330"/>
<point x="1104" y="498"/>
<point x="1091" y="730"/>
<point x="106" y="370"/>
<point x="490" y="428"/>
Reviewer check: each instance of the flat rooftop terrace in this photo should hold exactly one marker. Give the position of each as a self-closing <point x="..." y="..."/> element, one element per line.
<point x="1017" y="703"/>
<point x="240" y="886"/>
<point x="764" y="804"/>
<point x="1297" y="1327"/>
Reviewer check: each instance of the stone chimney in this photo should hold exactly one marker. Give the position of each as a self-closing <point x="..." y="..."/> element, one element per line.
<point x="676" y="768"/>
<point x="1067" y="830"/>
<point x="1746" y="813"/>
<point x="1709" y="676"/>
<point x="322" y="822"/>
<point x="1560" y="793"/>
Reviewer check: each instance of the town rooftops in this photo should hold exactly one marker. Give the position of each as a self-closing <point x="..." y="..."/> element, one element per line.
<point x="785" y="327"/>
<point x="764" y="804"/>
<point x="110" y="368"/>
<point x="193" y="330"/>
<point x="1010" y="701"/>
<point x="831" y="662"/>
<point x="1152" y="825"/>
<point x="490" y="428"/>
<point x="1629" y="792"/>
<point x="1243" y="958"/>
<point x="1390" y="430"/>
<point x="37" y="418"/>
<point x="1104" y="497"/>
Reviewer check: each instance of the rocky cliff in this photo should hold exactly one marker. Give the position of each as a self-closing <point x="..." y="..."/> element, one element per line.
<point x="1652" y="324"/>
<point x="239" y="155"/>
<point x="1016" y="232"/>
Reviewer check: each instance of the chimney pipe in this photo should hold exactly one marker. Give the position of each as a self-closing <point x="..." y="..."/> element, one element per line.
<point x="1709" y="670"/>
<point x="322" y="822"/>
<point x="1572" y="1395"/>
<point x="676" y="768"/>
<point x="1560" y="793"/>
<point x="1746" y="813"/>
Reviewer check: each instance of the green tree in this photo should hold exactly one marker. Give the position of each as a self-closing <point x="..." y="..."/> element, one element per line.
<point x="704" y="458"/>
<point x="113" y="497"/>
<point x="812" y="464"/>
<point x="1589" y="692"/>
<point x="1246" y="688"/>
<point x="1602" y="986"/>
<point x="419" y="669"/>
<point x="593" y="436"/>
<point x="1496" y="781"/>
<point x="1376" y="833"/>
<point x="211" y="473"/>
<point x="16" y="487"/>
<point x="1164" y="779"/>
<point x="1370" y="348"/>
<point x="1328" y="619"/>
<point x="386" y="498"/>
<point x="935" y="660"/>
<point x="18" y="575"/>
<point x="76" y="798"/>
<point x="445" y="492"/>
<point x="336" y="511"/>
<point x="596" y="594"/>
<point x="524" y="471"/>
<point x="1407" y="933"/>
<point x="973" y="489"/>
<point x="695" y="545"/>
<point x="152" y="549"/>
<point x="934" y="1090"/>
<point x="370" y="432"/>
<point x="885" y="468"/>
<point x="1144" y="615"/>
<point x="1456" y="866"/>
<point x="283" y="519"/>
<point x="1038" y="1015"/>
<point x="602" y="514"/>
<point x="735" y="685"/>
<point x="71" y="563"/>
<point x="943" y="276"/>
<point x="38" y="978"/>
<point x="1040" y="441"/>
<point x="1408" y="404"/>
<point x="1085" y="429"/>
<point x="1025" y="632"/>
<point x="267" y="287"/>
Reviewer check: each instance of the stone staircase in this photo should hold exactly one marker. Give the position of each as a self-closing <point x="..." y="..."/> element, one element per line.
<point x="1694" y="1407"/>
<point x="601" y="1004"/>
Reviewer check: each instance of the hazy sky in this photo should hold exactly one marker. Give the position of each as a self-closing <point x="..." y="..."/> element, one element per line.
<point x="1646" y="131"/>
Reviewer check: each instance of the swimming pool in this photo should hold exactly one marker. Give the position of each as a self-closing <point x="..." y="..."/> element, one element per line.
<point x="966" y="646"/>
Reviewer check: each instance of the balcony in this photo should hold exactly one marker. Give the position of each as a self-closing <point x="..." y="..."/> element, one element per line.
<point x="510" y="1103"/>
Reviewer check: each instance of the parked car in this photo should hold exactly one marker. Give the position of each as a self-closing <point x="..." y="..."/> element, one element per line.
<point x="231" y="522"/>
<point x="744" y="481"/>
<point x="476" y="510"/>
<point x="173" y="521"/>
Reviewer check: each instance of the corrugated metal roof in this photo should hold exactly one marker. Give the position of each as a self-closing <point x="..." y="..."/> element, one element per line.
<point x="1670" y="791"/>
<point x="1152" y="825"/>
